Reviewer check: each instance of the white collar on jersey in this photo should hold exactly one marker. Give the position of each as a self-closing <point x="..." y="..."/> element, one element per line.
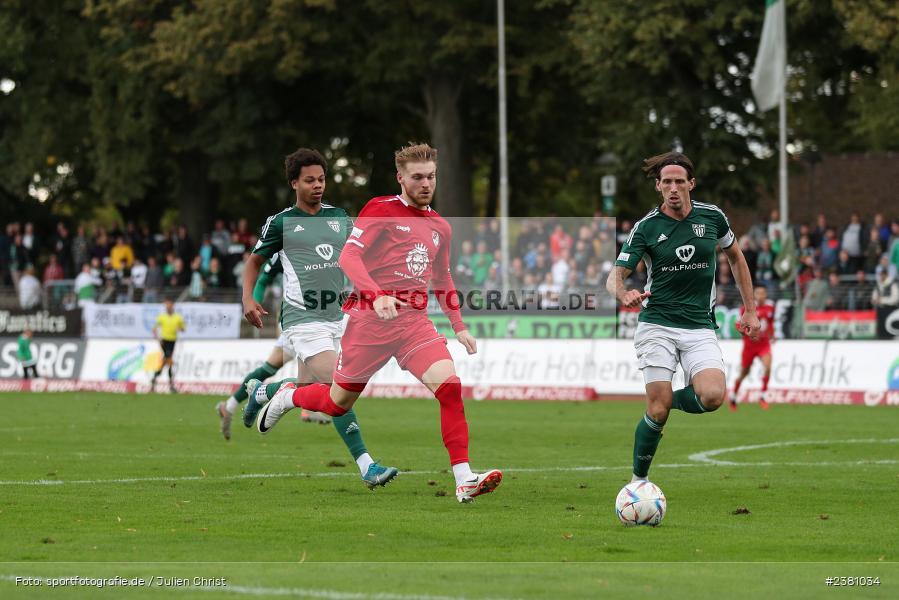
<point x="400" y="198"/>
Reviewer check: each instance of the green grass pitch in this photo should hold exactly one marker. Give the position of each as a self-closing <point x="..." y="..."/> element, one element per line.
<point x="103" y="485"/>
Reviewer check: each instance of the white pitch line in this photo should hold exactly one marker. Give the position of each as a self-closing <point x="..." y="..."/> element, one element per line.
<point x="706" y="457"/>
<point x="319" y="594"/>
<point x="707" y="462"/>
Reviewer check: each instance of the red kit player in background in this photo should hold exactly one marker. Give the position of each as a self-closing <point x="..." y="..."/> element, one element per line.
<point x="760" y="348"/>
<point x="399" y="248"/>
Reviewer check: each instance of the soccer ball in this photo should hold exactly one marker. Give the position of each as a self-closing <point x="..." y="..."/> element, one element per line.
<point x="641" y="503"/>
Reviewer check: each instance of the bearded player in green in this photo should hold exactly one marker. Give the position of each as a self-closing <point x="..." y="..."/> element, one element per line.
<point x="308" y="237"/>
<point x="677" y="241"/>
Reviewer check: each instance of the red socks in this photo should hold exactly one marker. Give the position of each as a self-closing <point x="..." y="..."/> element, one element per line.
<point x="317" y="397"/>
<point x="765" y="383"/>
<point x="453" y="426"/>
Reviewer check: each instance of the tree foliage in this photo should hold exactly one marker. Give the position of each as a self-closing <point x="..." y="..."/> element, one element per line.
<point x="164" y="104"/>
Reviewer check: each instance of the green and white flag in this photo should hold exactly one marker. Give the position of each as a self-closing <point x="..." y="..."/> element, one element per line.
<point x="770" y="71"/>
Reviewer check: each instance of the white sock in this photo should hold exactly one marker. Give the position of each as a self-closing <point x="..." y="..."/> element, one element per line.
<point x="364" y="462"/>
<point x="231" y="405"/>
<point x="284" y="399"/>
<point x="260" y="394"/>
<point x="462" y="471"/>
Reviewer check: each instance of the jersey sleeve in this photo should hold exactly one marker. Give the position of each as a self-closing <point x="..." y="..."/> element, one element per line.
<point x="367" y="227"/>
<point x="366" y="230"/>
<point x="444" y="288"/>
<point x="726" y="237"/>
<point x="348" y="228"/>
<point x="632" y="250"/>
<point x="271" y="238"/>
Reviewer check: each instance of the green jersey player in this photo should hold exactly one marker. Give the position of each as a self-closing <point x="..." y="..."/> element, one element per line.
<point x="23" y="354"/>
<point x="280" y="355"/>
<point x="308" y="238"/>
<point x="677" y="241"/>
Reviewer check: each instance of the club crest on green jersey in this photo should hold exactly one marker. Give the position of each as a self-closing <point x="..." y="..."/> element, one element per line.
<point x="699" y="229"/>
<point x="335" y="225"/>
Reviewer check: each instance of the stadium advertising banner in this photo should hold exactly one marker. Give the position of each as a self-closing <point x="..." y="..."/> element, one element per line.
<point x="532" y="326"/>
<point x="58" y="358"/>
<point x="42" y="323"/>
<point x="887" y="322"/>
<point x="804" y="372"/>
<point x="204" y="320"/>
<point x="840" y="324"/>
<point x="135" y="361"/>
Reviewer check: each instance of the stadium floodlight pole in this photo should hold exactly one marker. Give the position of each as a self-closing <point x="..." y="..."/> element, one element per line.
<point x="782" y="118"/>
<point x="503" y="147"/>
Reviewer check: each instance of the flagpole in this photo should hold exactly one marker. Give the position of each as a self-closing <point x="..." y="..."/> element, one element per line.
<point x="782" y="110"/>
<point x="503" y="146"/>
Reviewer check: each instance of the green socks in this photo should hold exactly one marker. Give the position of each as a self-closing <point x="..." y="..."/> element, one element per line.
<point x="262" y="373"/>
<point x="346" y="425"/>
<point x="272" y="388"/>
<point x="646" y="440"/>
<point x="686" y="400"/>
<point x="348" y="428"/>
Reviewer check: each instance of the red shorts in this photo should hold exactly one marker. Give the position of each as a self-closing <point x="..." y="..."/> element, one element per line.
<point x="367" y="345"/>
<point x="753" y="350"/>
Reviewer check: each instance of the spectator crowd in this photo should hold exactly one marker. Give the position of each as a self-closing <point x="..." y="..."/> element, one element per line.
<point x="850" y="266"/>
<point x="563" y="261"/>
<point x="128" y="263"/>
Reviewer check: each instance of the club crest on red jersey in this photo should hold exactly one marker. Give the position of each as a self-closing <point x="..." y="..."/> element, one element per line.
<point x="417" y="260"/>
<point x="436" y="237"/>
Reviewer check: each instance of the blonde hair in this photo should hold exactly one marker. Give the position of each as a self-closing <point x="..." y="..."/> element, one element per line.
<point x="414" y="152"/>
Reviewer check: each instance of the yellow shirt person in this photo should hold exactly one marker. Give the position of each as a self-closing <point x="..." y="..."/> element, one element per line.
<point x="168" y="324"/>
<point x="121" y="256"/>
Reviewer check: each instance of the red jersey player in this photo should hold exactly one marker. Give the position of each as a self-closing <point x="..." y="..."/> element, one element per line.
<point x="760" y="348"/>
<point x="398" y="248"/>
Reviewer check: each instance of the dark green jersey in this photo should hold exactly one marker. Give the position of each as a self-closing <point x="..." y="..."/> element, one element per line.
<point x="680" y="264"/>
<point x="309" y="247"/>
